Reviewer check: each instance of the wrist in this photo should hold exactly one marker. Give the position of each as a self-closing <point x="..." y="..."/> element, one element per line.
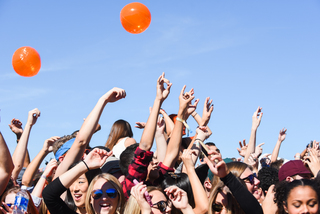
<point x="186" y="209"/>
<point x="194" y="114"/>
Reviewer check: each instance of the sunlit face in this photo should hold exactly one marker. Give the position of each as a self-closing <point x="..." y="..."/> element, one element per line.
<point x="104" y="204"/>
<point x="157" y="196"/>
<point x="252" y="187"/>
<point x="302" y="199"/>
<point x="221" y="199"/>
<point x="79" y="191"/>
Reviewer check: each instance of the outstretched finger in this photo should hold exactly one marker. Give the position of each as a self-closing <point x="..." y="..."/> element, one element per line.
<point x="182" y="90"/>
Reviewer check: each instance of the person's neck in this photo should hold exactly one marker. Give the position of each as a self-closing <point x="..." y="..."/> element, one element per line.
<point x="81" y="210"/>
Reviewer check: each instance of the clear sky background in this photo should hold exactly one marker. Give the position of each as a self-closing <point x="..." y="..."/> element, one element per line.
<point x="243" y="54"/>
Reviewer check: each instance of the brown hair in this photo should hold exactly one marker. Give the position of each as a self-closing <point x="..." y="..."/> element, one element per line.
<point x="119" y="129"/>
<point x="115" y="183"/>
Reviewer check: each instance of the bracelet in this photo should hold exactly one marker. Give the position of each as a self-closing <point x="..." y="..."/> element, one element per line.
<point x="185" y="124"/>
<point x="194" y="114"/>
<point x="43" y="176"/>
<point x="86" y="165"/>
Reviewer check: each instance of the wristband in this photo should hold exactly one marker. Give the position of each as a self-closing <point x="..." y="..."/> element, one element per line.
<point x="86" y="165"/>
<point x="185" y="124"/>
<point x="43" y="176"/>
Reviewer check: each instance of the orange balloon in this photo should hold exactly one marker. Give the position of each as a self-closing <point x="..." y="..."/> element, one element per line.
<point x="26" y="61"/>
<point x="135" y="17"/>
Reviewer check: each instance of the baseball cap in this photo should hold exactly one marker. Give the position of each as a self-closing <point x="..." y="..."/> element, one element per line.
<point x="291" y="168"/>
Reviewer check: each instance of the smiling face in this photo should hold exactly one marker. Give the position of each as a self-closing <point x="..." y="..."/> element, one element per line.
<point x="104" y="204"/>
<point x="252" y="187"/>
<point x="79" y="191"/>
<point x="302" y="199"/>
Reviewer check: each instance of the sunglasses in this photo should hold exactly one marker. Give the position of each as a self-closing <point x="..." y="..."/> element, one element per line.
<point x="111" y="193"/>
<point x="161" y="205"/>
<point x="250" y="178"/>
<point x="217" y="207"/>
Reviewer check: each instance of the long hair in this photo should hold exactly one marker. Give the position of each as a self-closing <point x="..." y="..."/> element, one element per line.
<point x="232" y="207"/>
<point x="115" y="183"/>
<point x="119" y="129"/>
<point x="132" y="206"/>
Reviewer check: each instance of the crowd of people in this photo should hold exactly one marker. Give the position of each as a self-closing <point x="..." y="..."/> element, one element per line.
<point x="184" y="175"/>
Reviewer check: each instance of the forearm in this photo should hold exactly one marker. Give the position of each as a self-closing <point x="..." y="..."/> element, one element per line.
<point x="20" y="151"/>
<point x="169" y="123"/>
<point x="150" y="128"/>
<point x="161" y="146"/>
<point x="6" y="164"/>
<point x="71" y="175"/>
<point x="188" y="210"/>
<point x="174" y="143"/>
<point x="200" y="196"/>
<point x="275" y="151"/>
<point x="33" y="168"/>
<point x="251" y="145"/>
<point x="37" y="191"/>
<point x="200" y="121"/>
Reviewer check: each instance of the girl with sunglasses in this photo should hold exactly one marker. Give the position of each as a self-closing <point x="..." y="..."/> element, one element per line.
<point x="77" y="180"/>
<point x="243" y="195"/>
<point x="106" y="195"/>
<point x="161" y="202"/>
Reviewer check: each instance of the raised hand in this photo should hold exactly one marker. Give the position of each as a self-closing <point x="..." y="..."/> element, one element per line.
<point x="243" y="148"/>
<point x="312" y="161"/>
<point x="160" y="125"/>
<point x="96" y="158"/>
<point x="5" y="209"/>
<point x="114" y="95"/>
<point x="162" y="92"/>
<point x="48" y="144"/>
<point x="253" y="161"/>
<point x="51" y="166"/>
<point x="207" y="110"/>
<point x="138" y="193"/>
<point x="140" y="125"/>
<point x="259" y="150"/>
<point x="16" y="126"/>
<point x="282" y="135"/>
<point x="256" y="118"/>
<point x="178" y="197"/>
<point x="187" y="158"/>
<point x="33" y="116"/>
<point x="203" y="133"/>
<point x="216" y="164"/>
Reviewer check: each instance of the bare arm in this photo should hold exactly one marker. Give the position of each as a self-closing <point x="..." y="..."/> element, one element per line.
<point x="35" y="163"/>
<point x="281" y="138"/>
<point x="256" y="119"/>
<point x="199" y="194"/>
<point x="168" y="121"/>
<point x="20" y="151"/>
<point x="150" y="128"/>
<point x="6" y="164"/>
<point x="185" y="109"/>
<point x="160" y="140"/>
<point x="88" y="128"/>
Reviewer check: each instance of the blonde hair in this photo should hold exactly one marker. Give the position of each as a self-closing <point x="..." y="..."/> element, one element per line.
<point x="115" y="183"/>
<point x="132" y="206"/>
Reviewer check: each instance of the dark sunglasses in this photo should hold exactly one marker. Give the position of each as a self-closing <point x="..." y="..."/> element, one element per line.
<point x="217" y="207"/>
<point x="161" y="205"/>
<point x="111" y="193"/>
<point x="250" y="178"/>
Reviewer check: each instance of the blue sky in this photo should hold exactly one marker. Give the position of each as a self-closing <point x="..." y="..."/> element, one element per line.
<point x="243" y="54"/>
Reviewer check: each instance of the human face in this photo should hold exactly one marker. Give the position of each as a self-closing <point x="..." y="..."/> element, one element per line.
<point x="9" y="200"/>
<point x="79" y="191"/>
<point x="221" y="199"/>
<point x="156" y="197"/>
<point x="104" y="204"/>
<point x="214" y="148"/>
<point x="252" y="187"/>
<point x="302" y="199"/>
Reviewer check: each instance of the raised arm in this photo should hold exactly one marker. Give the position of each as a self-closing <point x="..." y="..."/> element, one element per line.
<point x="150" y="128"/>
<point x="281" y="138"/>
<point x="168" y="121"/>
<point x="35" y="163"/>
<point x="206" y="114"/>
<point x="160" y="140"/>
<point x="199" y="194"/>
<point x="256" y="119"/>
<point x="16" y="128"/>
<point x="185" y="109"/>
<point x="20" y="151"/>
<point x="88" y="128"/>
<point x="6" y="164"/>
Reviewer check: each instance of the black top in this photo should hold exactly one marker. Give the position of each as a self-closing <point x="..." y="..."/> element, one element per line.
<point x="248" y="203"/>
<point x="51" y="195"/>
